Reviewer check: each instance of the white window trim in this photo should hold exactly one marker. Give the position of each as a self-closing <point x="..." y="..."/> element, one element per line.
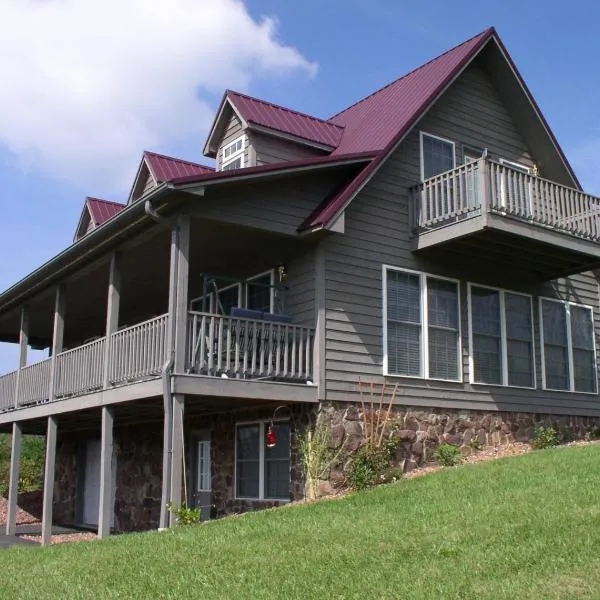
<point x="503" y="338"/>
<point x="233" y="157"/>
<point x="567" y="306"/>
<point x="436" y="137"/>
<point x="424" y="325"/>
<point x="261" y="460"/>
<point x="206" y="444"/>
<point x="512" y="163"/>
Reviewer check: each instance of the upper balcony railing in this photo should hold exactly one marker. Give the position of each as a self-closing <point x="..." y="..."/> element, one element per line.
<point x="217" y="346"/>
<point x="485" y="186"/>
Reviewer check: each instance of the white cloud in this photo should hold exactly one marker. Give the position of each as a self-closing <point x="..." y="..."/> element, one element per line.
<point x="87" y="85"/>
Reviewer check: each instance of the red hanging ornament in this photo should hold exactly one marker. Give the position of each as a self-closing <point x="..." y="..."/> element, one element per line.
<point x="270" y="437"/>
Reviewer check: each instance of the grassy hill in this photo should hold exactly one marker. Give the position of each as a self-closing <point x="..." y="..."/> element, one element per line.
<point x="524" y="527"/>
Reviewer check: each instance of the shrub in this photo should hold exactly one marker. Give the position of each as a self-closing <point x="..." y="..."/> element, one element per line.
<point x="475" y="444"/>
<point x="368" y="465"/>
<point x="31" y="469"/>
<point x="545" y="437"/>
<point x="448" y="455"/>
<point x="185" y="515"/>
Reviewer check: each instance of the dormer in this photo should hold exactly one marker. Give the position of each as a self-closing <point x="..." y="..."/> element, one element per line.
<point x="95" y="212"/>
<point x="249" y="132"/>
<point x="157" y="168"/>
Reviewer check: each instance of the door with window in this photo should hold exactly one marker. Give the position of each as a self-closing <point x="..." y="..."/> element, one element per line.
<point x="203" y="473"/>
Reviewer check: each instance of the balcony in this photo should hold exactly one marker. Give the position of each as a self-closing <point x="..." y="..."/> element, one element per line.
<point x="497" y="215"/>
<point x="218" y="346"/>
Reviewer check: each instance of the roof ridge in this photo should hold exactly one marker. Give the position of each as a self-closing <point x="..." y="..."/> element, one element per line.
<point x="285" y="108"/>
<point x="181" y="160"/>
<point x="490" y="30"/>
<point x="95" y="199"/>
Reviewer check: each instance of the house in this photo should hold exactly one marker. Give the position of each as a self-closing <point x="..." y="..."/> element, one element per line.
<point x="432" y="235"/>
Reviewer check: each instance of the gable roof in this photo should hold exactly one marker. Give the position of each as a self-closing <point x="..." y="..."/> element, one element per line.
<point x="165" y="168"/>
<point x="102" y="210"/>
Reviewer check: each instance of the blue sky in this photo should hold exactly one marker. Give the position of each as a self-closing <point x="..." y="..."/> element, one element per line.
<point x="79" y="112"/>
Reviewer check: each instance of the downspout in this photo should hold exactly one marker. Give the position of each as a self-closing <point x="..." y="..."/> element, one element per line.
<point x="166" y="374"/>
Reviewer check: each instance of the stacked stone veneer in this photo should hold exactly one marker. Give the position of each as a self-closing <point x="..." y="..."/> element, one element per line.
<point x="418" y="433"/>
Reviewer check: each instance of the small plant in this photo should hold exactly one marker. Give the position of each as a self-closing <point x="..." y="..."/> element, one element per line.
<point x="185" y="515"/>
<point x="545" y="437"/>
<point x="369" y="466"/>
<point x="475" y="444"/>
<point x="448" y="455"/>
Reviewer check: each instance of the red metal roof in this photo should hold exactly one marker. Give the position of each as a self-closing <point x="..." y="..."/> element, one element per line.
<point x="279" y="118"/>
<point x="165" y="168"/>
<point x="102" y="210"/>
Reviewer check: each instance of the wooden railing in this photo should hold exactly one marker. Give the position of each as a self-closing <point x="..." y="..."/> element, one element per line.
<point x="138" y="352"/>
<point x="80" y="370"/>
<point x="34" y="383"/>
<point x="249" y="348"/>
<point x="8" y="387"/>
<point x="487" y="186"/>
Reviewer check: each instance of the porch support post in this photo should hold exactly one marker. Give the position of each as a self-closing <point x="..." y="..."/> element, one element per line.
<point x="319" y="341"/>
<point x="58" y="333"/>
<point x="177" y="455"/>
<point x="23" y="343"/>
<point x="13" y="482"/>
<point x="181" y="303"/>
<point x="112" y="312"/>
<point x="106" y="507"/>
<point x="49" y="481"/>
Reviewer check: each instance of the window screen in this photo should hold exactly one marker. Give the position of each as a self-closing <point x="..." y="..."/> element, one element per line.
<point x="277" y="464"/>
<point x="443" y="329"/>
<point x="487" y="340"/>
<point x="438" y="156"/>
<point x="519" y="340"/>
<point x="556" y="345"/>
<point x="582" y="335"/>
<point x="248" y="461"/>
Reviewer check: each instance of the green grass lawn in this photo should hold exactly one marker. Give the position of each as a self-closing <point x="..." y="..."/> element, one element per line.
<point x="518" y="528"/>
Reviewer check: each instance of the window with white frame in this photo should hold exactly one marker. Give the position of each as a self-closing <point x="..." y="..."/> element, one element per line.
<point x="262" y="473"/>
<point x="568" y="346"/>
<point x="203" y="475"/>
<point x="501" y="332"/>
<point x="421" y="325"/>
<point x="437" y="155"/>
<point x="232" y="155"/>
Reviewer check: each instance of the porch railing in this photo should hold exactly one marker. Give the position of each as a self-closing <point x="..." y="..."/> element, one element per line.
<point x="34" y="382"/>
<point x="81" y="369"/>
<point x="138" y="352"/>
<point x="8" y="387"/>
<point x="249" y="348"/>
<point x="488" y="186"/>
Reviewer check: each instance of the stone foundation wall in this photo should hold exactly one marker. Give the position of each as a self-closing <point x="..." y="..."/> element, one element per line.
<point x="419" y="433"/>
<point x="65" y="481"/>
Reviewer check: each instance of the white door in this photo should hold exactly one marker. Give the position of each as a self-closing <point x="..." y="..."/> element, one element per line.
<point x="91" y="491"/>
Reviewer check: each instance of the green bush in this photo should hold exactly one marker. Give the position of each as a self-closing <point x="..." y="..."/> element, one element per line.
<point x="31" y="470"/>
<point x="545" y="437"/>
<point x="448" y="455"/>
<point x="185" y="515"/>
<point x="369" y="466"/>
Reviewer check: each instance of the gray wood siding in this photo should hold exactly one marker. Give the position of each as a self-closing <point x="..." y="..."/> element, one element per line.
<point x="300" y="293"/>
<point x="148" y="185"/>
<point x="270" y="149"/>
<point x="233" y="131"/>
<point x="377" y="233"/>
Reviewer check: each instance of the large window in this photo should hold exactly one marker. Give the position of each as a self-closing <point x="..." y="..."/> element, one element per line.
<point x="232" y="156"/>
<point x="262" y="473"/>
<point x="421" y="325"/>
<point x="569" y="351"/>
<point x="437" y="155"/>
<point x="501" y="332"/>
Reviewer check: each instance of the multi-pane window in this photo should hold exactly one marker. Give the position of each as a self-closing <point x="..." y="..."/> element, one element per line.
<point x="203" y="475"/>
<point x="261" y="472"/>
<point x="232" y="156"/>
<point x="437" y="155"/>
<point x="501" y="337"/>
<point x="569" y="356"/>
<point x="422" y="332"/>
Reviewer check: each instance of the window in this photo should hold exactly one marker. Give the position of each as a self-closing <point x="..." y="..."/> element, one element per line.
<point x="421" y="325"/>
<point x="203" y="477"/>
<point x="232" y="156"/>
<point x="437" y="155"/>
<point x="569" y="348"/>
<point x="501" y="332"/>
<point x="262" y="473"/>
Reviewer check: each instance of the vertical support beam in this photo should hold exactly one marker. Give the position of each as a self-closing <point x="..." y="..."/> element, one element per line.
<point x="181" y="304"/>
<point x="112" y="312"/>
<point x="177" y="453"/>
<point x="319" y="341"/>
<point x="58" y="333"/>
<point x="485" y="189"/>
<point x="13" y="482"/>
<point x="106" y="508"/>
<point x="23" y="344"/>
<point x="49" y="481"/>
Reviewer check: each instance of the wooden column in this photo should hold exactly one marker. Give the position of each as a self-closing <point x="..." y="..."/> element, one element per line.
<point x="181" y="304"/>
<point x="319" y="340"/>
<point x="49" y="481"/>
<point x="106" y="506"/>
<point x="13" y="482"/>
<point x="177" y="454"/>
<point x="23" y="344"/>
<point x="112" y="312"/>
<point x="58" y="332"/>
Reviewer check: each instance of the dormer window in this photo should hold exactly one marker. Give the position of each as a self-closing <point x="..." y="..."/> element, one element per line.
<point x="233" y="155"/>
